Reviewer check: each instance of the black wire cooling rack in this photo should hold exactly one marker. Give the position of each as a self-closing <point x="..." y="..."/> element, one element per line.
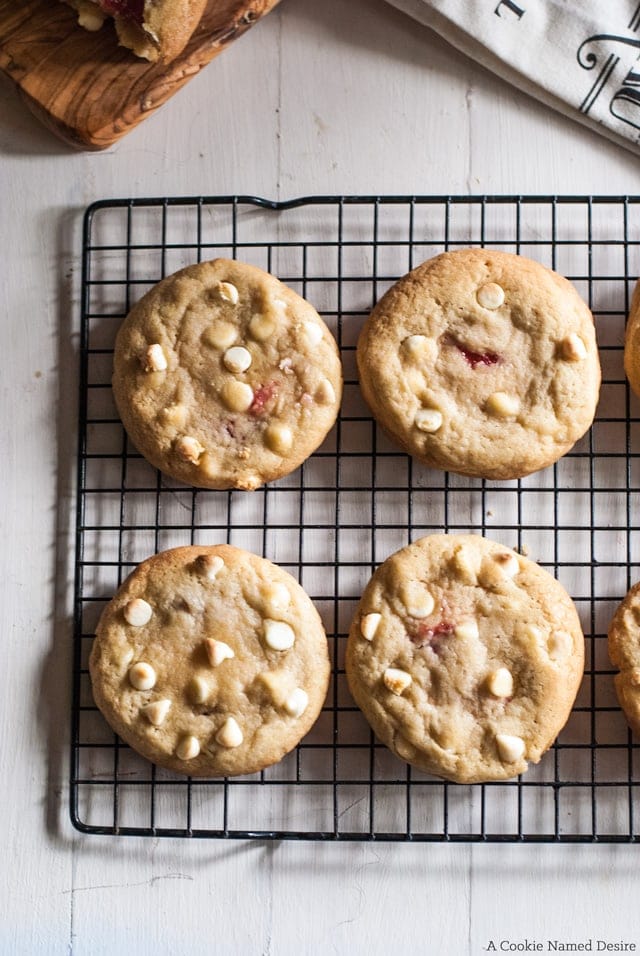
<point x="352" y="504"/>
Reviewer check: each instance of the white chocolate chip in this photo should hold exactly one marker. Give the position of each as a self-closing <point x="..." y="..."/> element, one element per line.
<point x="189" y="449"/>
<point x="396" y="680"/>
<point x="278" y="438"/>
<point x="228" y="292"/>
<point x="176" y="414"/>
<point x="500" y="682"/>
<point x="533" y="633"/>
<point x="221" y="335"/>
<point x="142" y="676"/>
<point x="261" y="327"/>
<point x="325" y="393"/>
<point x="498" y="568"/>
<point x="503" y="405"/>
<point x="510" y="748"/>
<point x="156" y="712"/>
<point x="467" y="631"/>
<point x="572" y="348"/>
<point x="217" y="651"/>
<point x="490" y="296"/>
<point x="369" y="625"/>
<point x="559" y="645"/>
<point x="237" y="359"/>
<point x="188" y="748"/>
<point x="276" y="596"/>
<point x="138" y="612"/>
<point x="199" y="689"/>
<point x="508" y="563"/>
<point x="420" y="347"/>
<point x="278" y="635"/>
<point x="297" y="702"/>
<point x="278" y="684"/>
<point x="467" y="564"/>
<point x="155" y="359"/>
<point x="428" y="420"/>
<point x="230" y="735"/>
<point x="312" y="333"/>
<point x="210" y="565"/>
<point x="417" y="599"/>
<point x="89" y="19"/>
<point x="237" y="396"/>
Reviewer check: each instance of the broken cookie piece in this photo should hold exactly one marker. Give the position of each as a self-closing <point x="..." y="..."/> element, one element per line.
<point x="155" y="30"/>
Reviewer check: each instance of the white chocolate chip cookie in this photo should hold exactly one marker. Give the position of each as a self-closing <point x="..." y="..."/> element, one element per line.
<point x="224" y="377"/>
<point x="481" y="686"/>
<point x="482" y="363"/>
<point x="624" y="651"/>
<point x="225" y="675"/>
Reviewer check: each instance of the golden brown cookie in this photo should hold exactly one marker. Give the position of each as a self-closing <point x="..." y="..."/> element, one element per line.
<point x="152" y="29"/>
<point x="481" y="362"/>
<point x="632" y="342"/>
<point x="210" y="661"/>
<point x="465" y="657"/>
<point x="224" y="377"/>
<point x="624" y="651"/>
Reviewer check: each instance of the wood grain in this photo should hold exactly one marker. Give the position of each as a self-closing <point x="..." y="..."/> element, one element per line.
<point x="87" y="89"/>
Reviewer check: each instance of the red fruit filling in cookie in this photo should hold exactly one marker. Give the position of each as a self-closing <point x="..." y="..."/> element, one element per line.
<point x="128" y="9"/>
<point x="474" y="358"/>
<point x="432" y="635"/>
<point x="262" y="397"/>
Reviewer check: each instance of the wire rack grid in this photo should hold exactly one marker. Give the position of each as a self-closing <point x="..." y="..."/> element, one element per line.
<point x="352" y="504"/>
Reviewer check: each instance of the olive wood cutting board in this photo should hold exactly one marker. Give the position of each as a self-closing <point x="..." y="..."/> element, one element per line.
<point x="86" y="88"/>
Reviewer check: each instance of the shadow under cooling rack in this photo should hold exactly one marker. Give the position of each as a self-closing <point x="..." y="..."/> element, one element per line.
<point x="354" y="502"/>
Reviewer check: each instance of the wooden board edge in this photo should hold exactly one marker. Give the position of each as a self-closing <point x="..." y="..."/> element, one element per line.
<point x="162" y="89"/>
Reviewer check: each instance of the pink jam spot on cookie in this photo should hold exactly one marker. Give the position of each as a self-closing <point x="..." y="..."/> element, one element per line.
<point x="128" y="9"/>
<point x="262" y="397"/>
<point x="474" y="358"/>
<point x="432" y="635"/>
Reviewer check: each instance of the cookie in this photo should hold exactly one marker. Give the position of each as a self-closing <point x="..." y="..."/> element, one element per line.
<point x="632" y="342"/>
<point x="465" y="657"/>
<point x="210" y="661"/>
<point x="224" y="377"/>
<point x="155" y="30"/>
<point x="624" y="651"/>
<point x="482" y="363"/>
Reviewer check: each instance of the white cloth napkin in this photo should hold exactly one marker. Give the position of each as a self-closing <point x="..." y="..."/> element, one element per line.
<point x="580" y="57"/>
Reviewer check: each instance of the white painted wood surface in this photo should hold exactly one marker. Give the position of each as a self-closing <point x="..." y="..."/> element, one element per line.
<point x="328" y="97"/>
